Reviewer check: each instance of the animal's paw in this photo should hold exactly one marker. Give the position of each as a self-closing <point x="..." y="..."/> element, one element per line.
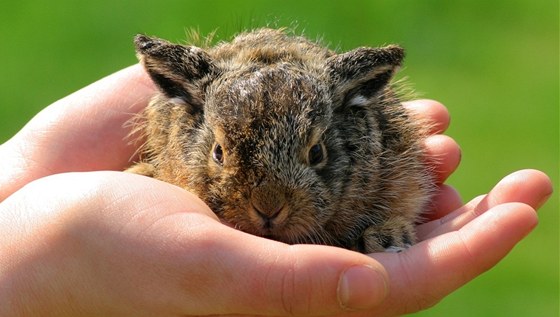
<point x="142" y="169"/>
<point x="395" y="249"/>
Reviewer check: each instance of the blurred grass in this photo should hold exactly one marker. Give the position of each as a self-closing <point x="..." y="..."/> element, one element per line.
<point x="493" y="63"/>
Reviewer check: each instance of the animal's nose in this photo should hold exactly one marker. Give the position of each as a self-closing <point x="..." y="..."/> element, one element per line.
<point x="268" y="200"/>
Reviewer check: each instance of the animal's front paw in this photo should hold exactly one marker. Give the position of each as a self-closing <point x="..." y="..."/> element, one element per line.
<point x="142" y="169"/>
<point x="396" y="249"/>
<point x="393" y="236"/>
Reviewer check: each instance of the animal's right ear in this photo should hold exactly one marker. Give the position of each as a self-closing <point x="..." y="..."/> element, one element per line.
<point x="176" y="69"/>
<point x="362" y="74"/>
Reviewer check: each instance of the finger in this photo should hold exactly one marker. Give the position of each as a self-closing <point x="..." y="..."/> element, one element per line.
<point x="443" y="155"/>
<point x="434" y="112"/>
<point x="530" y="187"/>
<point x="81" y="132"/>
<point x="429" y="229"/>
<point x="446" y="200"/>
<point x="428" y="271"/>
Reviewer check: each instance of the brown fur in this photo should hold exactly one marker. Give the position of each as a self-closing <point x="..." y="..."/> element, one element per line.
<point x="286" y="139"/>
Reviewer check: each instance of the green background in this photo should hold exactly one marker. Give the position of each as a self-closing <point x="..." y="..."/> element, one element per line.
<point x="493" y="63"/>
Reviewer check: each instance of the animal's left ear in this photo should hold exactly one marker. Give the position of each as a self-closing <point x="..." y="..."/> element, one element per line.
<point x="363" y="73"/>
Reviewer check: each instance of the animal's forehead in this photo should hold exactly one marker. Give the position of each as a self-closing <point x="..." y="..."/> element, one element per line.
<point x="274" y="90"/>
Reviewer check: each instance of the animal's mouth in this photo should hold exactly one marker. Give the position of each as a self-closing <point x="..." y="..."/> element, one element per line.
<point x="276" y="227"/>
<point x="265" y="230"/>
<point x="268" y="230"/>
<point x="227" y="223"/>
<point x="276" y="237"/>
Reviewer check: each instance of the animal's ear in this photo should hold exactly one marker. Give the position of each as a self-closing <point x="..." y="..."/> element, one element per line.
<point x="363" y="73"/>
<point x="176" y="69"/>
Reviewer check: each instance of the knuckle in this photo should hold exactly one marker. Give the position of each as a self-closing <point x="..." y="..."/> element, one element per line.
<point x="290" y="289"/>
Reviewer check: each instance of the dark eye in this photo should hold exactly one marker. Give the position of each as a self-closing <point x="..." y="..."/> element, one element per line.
<point x="316" y="154"/>
<point x="218" y="154"/>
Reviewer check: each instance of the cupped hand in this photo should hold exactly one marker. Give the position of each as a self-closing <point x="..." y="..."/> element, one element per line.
<point x="116" y="244"/>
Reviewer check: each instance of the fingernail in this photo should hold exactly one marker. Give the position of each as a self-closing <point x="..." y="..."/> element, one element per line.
<point x="361" y="287"/>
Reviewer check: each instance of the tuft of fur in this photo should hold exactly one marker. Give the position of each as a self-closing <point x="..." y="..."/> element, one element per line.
<point x="286" y="139"/>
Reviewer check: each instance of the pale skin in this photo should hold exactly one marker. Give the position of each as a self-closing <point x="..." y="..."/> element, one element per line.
<point x="80" y="238"/>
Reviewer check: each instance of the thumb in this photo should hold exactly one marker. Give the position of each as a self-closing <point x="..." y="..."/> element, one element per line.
<point x="263" y="277"/>
<point x="210" y="268"/>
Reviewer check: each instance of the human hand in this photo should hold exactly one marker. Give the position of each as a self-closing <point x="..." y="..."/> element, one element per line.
<point x="107" y="243"/>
